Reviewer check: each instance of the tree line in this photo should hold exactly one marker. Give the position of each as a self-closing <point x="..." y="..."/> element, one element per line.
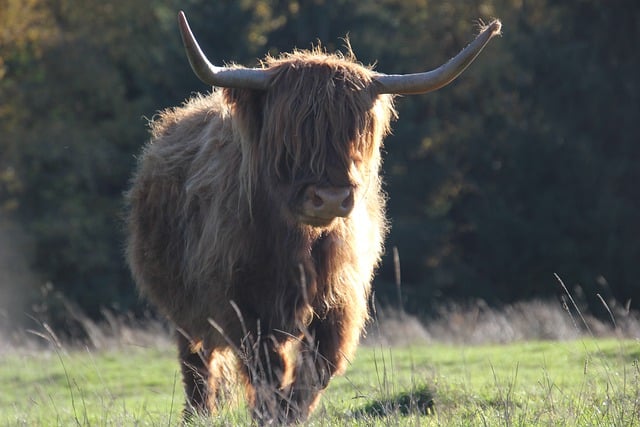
<point x="526" y="166"/>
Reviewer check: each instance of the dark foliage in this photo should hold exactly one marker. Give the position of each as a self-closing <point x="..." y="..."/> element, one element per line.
<point x="525" y="167"/>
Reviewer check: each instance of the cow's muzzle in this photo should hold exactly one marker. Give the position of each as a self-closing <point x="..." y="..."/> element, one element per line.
<point x="321" y="205"/>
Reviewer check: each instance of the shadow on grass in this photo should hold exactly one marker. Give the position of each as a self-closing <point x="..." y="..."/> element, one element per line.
<point x="417" y="401"/>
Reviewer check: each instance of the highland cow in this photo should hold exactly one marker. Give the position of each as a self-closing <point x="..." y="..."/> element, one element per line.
<point x="256" y="220"/>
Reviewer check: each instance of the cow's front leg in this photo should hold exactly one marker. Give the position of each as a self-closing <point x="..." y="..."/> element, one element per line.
<point x="266" y="366"/>
<point x="194" y="363"/>
<point x="325" y="351"/>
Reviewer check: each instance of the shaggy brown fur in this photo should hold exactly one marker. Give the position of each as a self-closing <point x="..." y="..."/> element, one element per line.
<point x="215" y="241"/>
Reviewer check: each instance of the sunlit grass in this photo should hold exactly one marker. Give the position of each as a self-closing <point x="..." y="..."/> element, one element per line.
<point x="88" y="388"/>
<point x="580" y="382"/>
<point x="584" y="382"/>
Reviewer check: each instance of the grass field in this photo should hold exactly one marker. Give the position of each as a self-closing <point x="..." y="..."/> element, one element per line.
<point x="585" y="382"/>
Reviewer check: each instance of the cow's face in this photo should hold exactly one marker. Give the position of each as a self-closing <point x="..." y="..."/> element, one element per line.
<point x="321" y="127"/>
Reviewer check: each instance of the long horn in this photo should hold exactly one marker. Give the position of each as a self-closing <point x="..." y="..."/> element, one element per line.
<point x="249" y="78"/>
<point x="405" y="84"/>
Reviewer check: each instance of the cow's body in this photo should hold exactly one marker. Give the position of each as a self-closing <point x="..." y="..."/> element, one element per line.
<point x="215" y="236"/>
<point x="256" y="222"/>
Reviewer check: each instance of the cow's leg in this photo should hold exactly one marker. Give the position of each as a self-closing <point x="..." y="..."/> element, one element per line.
<point x="194" y="363"/>
<point x="325" y="351"/>
<point x="266" y="367"/>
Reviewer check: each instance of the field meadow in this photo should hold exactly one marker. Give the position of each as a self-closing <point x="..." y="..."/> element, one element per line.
<point x="529" y="364"/>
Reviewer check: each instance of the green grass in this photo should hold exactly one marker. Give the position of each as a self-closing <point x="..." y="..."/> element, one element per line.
<point x="120" y="387"/>
<point x="584" y="382"/>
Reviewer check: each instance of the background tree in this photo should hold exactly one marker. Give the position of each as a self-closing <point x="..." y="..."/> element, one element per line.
<point x="525" y="166"/>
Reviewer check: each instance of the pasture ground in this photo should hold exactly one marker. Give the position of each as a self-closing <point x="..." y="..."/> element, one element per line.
<point x="577" y="381"/>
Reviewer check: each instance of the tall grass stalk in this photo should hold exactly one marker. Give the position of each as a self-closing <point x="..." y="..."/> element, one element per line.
<point x="454" y="370"/>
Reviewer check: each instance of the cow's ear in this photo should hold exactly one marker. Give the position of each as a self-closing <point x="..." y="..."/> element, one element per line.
<point x="247" y="108"/>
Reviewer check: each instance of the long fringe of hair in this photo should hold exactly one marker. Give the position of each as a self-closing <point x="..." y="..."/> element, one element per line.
<point x="224" y="159"/>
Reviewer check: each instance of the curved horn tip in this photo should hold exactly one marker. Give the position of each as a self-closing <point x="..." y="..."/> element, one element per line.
<point x="183" y="23"/>
<point x="182" y="19"/>
<point x="494" y="27"/>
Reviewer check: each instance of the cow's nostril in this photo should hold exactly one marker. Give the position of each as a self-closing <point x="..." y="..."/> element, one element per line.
<point x="347" y="203"/>
<point x="317" y="200"/>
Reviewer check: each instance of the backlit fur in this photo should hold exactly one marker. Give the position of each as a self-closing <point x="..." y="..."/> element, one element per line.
<point x="214" y="237"/>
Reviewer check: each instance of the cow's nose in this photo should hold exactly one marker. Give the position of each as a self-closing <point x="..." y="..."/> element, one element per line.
<point x="328" y="202"/>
